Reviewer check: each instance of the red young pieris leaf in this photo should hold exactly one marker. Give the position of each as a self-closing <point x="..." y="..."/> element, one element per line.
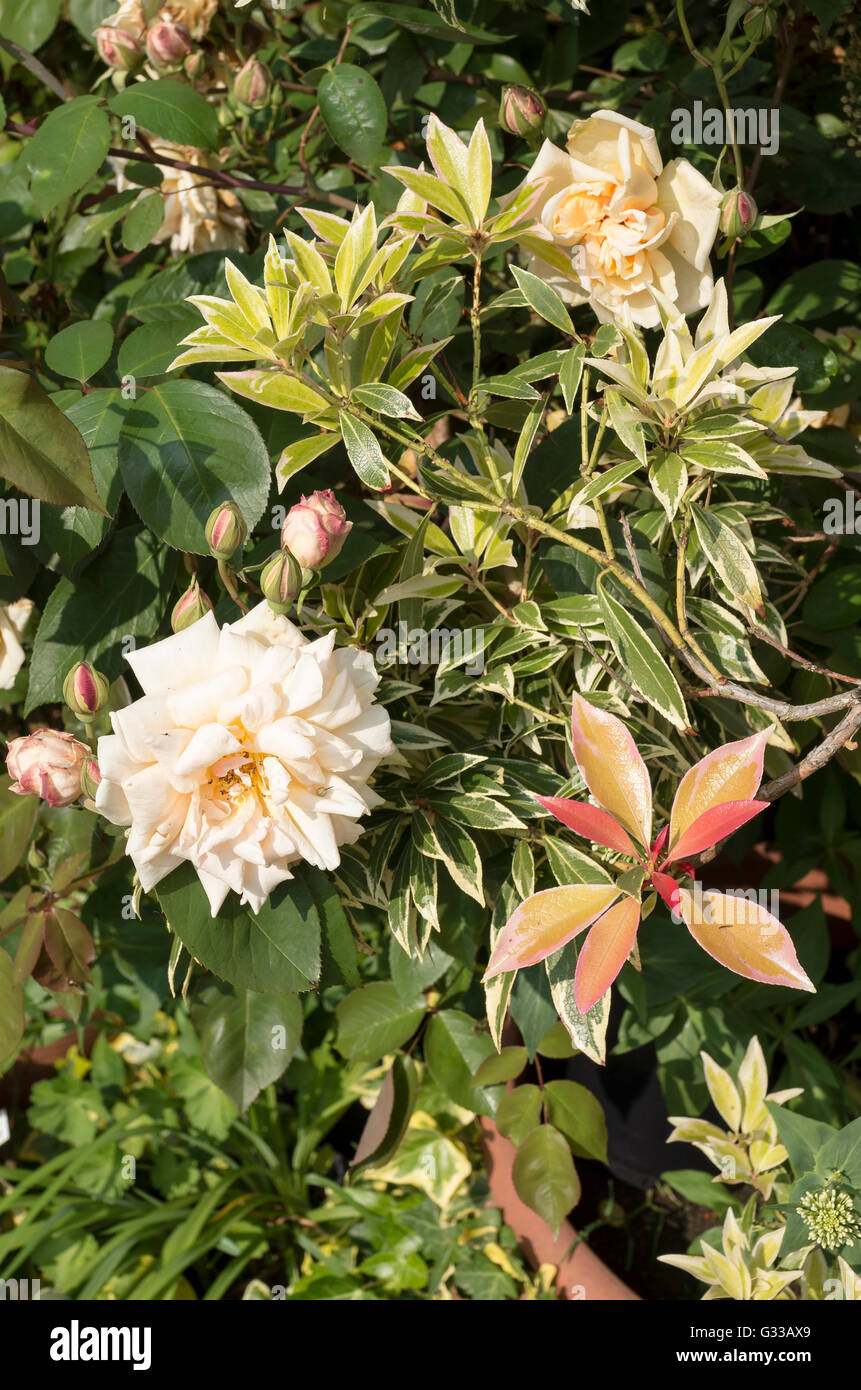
<point x="612" y="767"/>
<point x="744" y="937"/>
<point x="546" y="921"/>
<point x="713" y="825"/>
<point x="667" y="887"/>
<point x="660" y="841"/>
<point x="732" y="772"/>
<point x="591" y="822"/>
<point x="604" y="952"/>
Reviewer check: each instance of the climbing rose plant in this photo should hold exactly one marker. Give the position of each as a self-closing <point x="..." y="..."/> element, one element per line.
<point x="418" y="573"/>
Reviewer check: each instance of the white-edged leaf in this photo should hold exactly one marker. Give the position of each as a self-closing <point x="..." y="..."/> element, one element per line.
<point x="365" y="454"/>
<point x="729" y="556"/>
<point x="641" y="661"/>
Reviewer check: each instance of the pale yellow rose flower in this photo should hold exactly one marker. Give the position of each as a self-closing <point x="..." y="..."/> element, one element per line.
<point x="197" y="215"/>
<point x="250" y="750"/>
<point x="629" y="224"/>
<point x="13" y="620"/>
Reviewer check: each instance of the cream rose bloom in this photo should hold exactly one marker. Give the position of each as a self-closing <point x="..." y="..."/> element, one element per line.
<point x="197" y="216"/>
<point x="627" y="223"/>
<point x="250" y="750"/>
<point x="13" y="620"/>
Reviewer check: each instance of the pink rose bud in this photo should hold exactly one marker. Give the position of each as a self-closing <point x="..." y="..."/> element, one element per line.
<point x="86" y="691"/>
<point x="281" y="581"/>
<point x="225" y="531"/>
<point x="90" y="778"/>
<point x="522" y="111"/>
<point x="195" y="65"/>
<point x="194" y="604"/>
<point x="252" y="85"/>
<point x="47" y="763"/>
<point x="118" y="48"/>
<point x="315" y="530"/>
<point x="168" y="45"/>
<point x="738" y="214"/>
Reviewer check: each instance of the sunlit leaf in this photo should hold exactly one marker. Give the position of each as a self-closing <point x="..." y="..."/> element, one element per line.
<point x="546" y="921"/>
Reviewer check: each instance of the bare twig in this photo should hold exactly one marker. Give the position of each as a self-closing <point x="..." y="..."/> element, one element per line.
<point x="614" y="675"/>
<point x="799" y="660"/>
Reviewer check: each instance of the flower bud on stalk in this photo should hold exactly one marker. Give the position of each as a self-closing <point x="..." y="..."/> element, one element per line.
<point x="759" y="23"/>
<point x="315" y="529"/>
<point x="119" y="49"/>
<point x="281" y="581"/>
<point x="225" y="531"/>
<point x="86" y="691"/>
<point x="253" y="85"/>
<point x="47" y="763"/>
<point x="195" y="65"/>
<point x="193" y="604"/>
<point x="90" y="778"/>
<point x="738" y="214"/>
<point x="168" y="45"/>
<point x="522" y="112"/>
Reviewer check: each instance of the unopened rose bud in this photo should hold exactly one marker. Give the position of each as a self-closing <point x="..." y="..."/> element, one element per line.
<point x="738" y="214"/>
<point x="47" y="763"/>
<point x="195" y="65"/>
<point x="86" y="691"/>
<point x="522" y="111"/>
<point x="252" y="85"/>
<point x="119" y="49"/>
<point x="193" y="604"/>
<point x="90" y="778"/>
<point x="281" y="581"/>
<point x="168" y="45"/>
<point x="759" y="24"/>
<point x="225" y="531"/>
<point x="315" y="530"/>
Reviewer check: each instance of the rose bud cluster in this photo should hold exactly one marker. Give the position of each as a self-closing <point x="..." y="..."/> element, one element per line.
<point x="49" y="764"/>
<point x="315" y="530"/>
